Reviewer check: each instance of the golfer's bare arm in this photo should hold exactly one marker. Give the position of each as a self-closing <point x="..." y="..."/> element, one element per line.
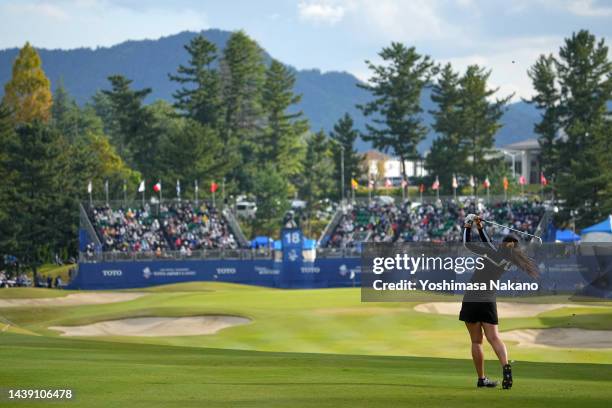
<point x="475" y="247"/>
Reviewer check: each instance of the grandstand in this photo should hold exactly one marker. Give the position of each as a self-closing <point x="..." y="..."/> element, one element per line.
<point x="439" y="221"/>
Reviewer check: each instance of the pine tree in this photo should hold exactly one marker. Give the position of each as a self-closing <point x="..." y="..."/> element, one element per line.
<point x="584" y="77"/>
<point x="137" y="143"/>
<point x="242" y="75"/>
<point x="546" y="99"/>
<point x="190" y="153"/>
<point x="479" y="119"/>
<point x="396" y="88"/>
<point x="7" y="137"/>
<point x="283" y="142"/>
<point x="28" y="93"/>
<point x="318" y="181"/>
<point x="345" y="136"/>
<point x="42" y="214"/>
<point x="200" y="99"/>
<point x="446" y="157"/>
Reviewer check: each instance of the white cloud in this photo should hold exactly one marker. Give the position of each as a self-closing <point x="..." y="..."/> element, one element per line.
<point x="91" y="23"/>
<point x="43" y="9"/>
<point x="321" y="11"/>
<point x="588" y="8"/>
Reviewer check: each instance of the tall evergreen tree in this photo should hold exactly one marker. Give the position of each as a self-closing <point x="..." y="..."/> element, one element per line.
<point x="242" y="74"/>
<point x="283" y="141"/>
<point x="479" y="119"/>
<point x="41" y="212"/>
<point x="345" y="135"/>
<point x="396" y="88"/>
<point x="318" y="182"/>
<point x="584" y="77"/>
<point x="190" y="153"/>
<point x="199" y="98"/>
<point x="543" y="77"/>
<point x="445" y="157"/>
<point x="69" y="119"/>
<point x="28" y="93"/>
<point x="134" y="138"/>
<point x="7" y="137"/>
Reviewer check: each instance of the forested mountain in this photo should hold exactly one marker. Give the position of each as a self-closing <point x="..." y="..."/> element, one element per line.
<point x="326" y="96"/>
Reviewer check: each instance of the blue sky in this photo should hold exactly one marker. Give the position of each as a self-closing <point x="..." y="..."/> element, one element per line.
<point x="505" y="36"/>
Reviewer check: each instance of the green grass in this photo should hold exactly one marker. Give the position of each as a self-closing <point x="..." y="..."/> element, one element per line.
<point x="116" y="374"/>
<point x="31" y="293"/>
<point x="303" y="348"/>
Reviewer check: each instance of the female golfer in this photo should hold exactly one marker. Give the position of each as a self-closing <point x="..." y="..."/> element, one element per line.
<point x="479" y="308"/>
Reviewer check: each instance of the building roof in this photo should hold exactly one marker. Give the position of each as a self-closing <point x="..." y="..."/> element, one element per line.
<point x="527" y="144"/>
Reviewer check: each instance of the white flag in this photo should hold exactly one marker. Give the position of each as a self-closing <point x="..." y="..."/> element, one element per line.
<point x="472" y="183"/>
<point x="178" y="187"/>
<point x="141" y="187"/>
<point x="89" y="187"/>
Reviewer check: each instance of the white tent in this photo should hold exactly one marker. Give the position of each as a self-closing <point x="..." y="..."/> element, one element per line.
<point x="600" y="232"/>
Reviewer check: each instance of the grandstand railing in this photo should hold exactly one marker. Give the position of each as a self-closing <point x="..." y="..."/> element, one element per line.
<point x="431" y="199"/>
<point x="230" y="254"/>
<point x="245" y="254"/>
<point x="87" y="225"/>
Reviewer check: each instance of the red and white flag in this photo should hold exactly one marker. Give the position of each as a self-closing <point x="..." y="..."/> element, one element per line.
<point x="157" y="187"/>
<point x="404" y="183"/>
<point x="213" y="187"/>
<point x="543" y="180"/>
<point x="436" y="184"/>
<point x="388" y="183"/>
<point x="522" y="180"/>
<point x="486" y="183"/>
<point x="455" y="183"/>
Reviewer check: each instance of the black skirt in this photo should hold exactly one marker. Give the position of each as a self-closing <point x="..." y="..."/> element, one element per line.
<point x="475" y="312"/>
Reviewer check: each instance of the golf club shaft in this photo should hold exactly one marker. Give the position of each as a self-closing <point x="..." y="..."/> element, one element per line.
<point x="513" y="229"/>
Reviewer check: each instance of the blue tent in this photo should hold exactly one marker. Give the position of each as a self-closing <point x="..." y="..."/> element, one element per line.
<point x="309" y="244"/>
<point x="566" y="235"/>
<point x="604" y="226"/>
<point x="261" y="242"/>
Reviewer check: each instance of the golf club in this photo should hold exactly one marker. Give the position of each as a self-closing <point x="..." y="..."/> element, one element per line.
<point x="513" y="229"/>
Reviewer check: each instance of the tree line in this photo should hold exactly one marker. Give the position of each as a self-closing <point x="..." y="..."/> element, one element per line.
<point x="234" y="118"/>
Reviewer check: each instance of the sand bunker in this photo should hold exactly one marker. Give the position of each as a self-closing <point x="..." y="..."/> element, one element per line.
<point x="155" y="326"/>
<point x="504" y="309"/>
<point x="566" y="338"/>
<point x="75" y="299"/>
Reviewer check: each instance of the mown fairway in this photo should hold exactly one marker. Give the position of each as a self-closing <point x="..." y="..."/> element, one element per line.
<point x="361" y="366"/>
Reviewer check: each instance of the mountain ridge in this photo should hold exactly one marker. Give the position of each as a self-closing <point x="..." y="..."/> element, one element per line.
<point x="326" y="96"/>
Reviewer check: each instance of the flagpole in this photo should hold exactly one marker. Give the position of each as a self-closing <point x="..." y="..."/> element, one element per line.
<point x="106" y="190"/>
<point x="160" y="192"/>
<point x="89" y="190"/>
<point x="196" y="192"/>
<point x="223" y="191"/>
<point x="143" y="194"/>
<point x="124" y="192"/>
<point x="369" y="190"/>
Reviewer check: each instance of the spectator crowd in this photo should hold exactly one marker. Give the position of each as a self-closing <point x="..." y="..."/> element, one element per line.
<point x="180" y="227"/>
<point x="440" y="222"/>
